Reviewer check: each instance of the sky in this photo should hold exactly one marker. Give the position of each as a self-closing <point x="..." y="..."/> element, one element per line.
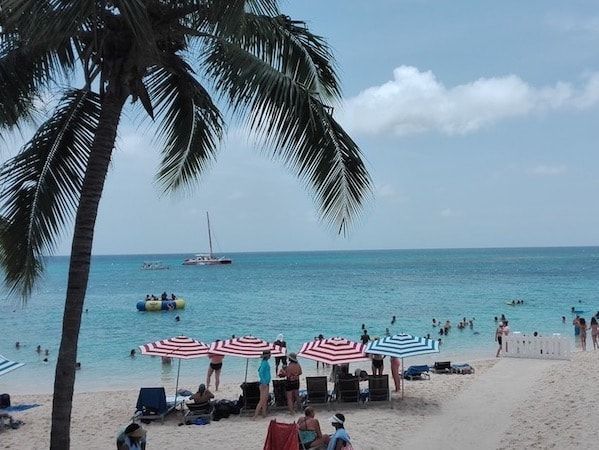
<point x="479" y="122"/>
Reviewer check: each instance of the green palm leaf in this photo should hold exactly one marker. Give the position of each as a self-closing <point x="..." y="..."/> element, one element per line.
<point x="297" y="126"/>
<point x="290" y="47"/>
<point x="191" y="125"/>
<point x="42" y="185"/>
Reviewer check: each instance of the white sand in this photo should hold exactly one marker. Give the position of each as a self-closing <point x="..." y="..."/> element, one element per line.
<point x="507" y="404"/>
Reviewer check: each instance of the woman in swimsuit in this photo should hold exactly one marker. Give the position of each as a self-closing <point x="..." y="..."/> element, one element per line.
<point x="594" y="332"/>
<point x="377" y="364"/>
<point x="309" y="430"/>
<point x="583" y="333"/>
<point x="292" y="384"/>
<point x="216" y="364"/>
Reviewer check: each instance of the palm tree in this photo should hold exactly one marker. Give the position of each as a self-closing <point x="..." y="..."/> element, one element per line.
<point x="182" y="61"/>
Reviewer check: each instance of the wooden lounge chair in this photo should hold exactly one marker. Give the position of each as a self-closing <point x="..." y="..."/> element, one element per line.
<point x="251" y="395"/>
<point x="280" y="393"/>
<point x="152" y="404"/>
<point x="378" y="388"/>
<point x="442" y="367"/>
<point x="317" y="390"/>
<point x="348" y="390"/>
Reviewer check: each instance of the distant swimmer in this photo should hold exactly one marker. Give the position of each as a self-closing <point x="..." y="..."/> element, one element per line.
<point x="46" y="352"/>
<point x="363" y="326"/>
<point x="393" y="320"/>
<point x="17" y="344"/>
<point x="45" y="360"/>
<point x="132" y="353"/>
<point x="177" y="319"/>
<point x="476" y="333"/>
<point x="38" y="349"/>
<point x="563" y="319"/>
<point x="434" y="322"/>
<point x="77" y="366"/>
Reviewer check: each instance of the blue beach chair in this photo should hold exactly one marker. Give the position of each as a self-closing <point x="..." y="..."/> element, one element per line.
<point x="152" y="404"/>
<point x="417" y="373"/>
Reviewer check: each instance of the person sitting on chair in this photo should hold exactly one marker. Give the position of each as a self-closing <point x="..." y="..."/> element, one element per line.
<point x="309" y="430"/>
<point x="203" y="396"/>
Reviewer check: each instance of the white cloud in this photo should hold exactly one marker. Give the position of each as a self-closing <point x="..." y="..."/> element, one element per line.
<point x="574" y="24"/>
<point x="548" y="170"/>
<point x="416" y="101"/>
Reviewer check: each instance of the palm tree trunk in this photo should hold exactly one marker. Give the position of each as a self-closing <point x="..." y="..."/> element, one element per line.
<point x="79" y="265"/>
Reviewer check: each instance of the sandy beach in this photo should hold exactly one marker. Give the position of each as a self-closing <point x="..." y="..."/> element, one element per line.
<point x="506" y="404"/>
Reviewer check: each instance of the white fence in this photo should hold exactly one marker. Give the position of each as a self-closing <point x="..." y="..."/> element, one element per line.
<point x="518" y="345"/>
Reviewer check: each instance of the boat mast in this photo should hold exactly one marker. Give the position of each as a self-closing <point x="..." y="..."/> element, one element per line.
<point x="209" y="234"/>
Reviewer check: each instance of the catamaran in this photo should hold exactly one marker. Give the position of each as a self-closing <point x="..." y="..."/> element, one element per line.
<point x="208" y="259"/>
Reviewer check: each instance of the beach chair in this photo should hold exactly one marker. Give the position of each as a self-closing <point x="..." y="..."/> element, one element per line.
<point x="282" y="436"/>
<point x="417" y="373"/>
<point x="348" y="390"/>
<point x="378" y="388"/>
<point x="442" y="367"/>
<point x="462" y="369"/>
<point x="152" y="405"/>
<point x="317" y="390"/>
<point x="197" y="411"/>
<point x="280" y="393"/>
<point x="251" y="395"/>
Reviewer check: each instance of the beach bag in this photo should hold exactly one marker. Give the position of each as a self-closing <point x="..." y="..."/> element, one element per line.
<point x="4" y="401"/>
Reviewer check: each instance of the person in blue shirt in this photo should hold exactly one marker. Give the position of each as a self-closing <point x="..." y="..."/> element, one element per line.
<point x="264" y="379"/>
<point x="339" y="439"/>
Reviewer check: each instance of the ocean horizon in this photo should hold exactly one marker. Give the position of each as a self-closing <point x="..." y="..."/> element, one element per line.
<point x="299" y="294"/>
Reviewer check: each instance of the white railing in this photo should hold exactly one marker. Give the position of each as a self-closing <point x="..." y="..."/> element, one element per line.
<point x="518" y="345"/>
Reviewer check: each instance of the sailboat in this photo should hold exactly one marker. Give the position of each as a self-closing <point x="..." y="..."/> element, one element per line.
<point x="209" y="259"/>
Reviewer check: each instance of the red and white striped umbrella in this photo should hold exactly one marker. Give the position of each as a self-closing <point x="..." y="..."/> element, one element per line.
<point x="180" y="347"/>
<point x="334" y="350"/>
<point x="176" y="347"/>
<point x="246" y="347"/>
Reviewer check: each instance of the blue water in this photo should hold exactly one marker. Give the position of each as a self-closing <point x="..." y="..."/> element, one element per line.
<point x="300" y="294"/>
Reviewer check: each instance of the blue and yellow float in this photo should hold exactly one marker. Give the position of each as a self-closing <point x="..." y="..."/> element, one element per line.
<point x="161" y="305"/>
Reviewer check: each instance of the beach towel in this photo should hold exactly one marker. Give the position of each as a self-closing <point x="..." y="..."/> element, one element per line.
<point x="18" y="408"/>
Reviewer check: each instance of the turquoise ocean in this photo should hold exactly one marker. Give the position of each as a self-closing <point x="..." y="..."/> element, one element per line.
<point x="299" y="294"/>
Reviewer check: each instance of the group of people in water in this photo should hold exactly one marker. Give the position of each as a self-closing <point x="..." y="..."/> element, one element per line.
<point x="164" y="297"/>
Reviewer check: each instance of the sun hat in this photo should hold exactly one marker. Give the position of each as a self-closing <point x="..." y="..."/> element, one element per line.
<point x="338" y="418"/>
<point x="135" y="431"/>
<point x="292" y="357"/>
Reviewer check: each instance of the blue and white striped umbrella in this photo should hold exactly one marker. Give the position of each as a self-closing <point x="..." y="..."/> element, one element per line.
<point x="7" y="365"/>
<point x="403" y="346"/>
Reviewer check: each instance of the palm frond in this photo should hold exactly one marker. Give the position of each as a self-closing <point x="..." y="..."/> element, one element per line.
<point x="297" y="126"/>
<point x="135" y="14"/>
<point x="290" y="47"/>
<point x="26" y="69"/>
<point x="41" y="187"/>
<point x="191" y="124"/>
<point x="45" y="22"/>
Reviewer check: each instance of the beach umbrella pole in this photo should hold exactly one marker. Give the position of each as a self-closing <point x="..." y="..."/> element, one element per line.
<point x="247" y="361"/>
<point x="177" y="382"/>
